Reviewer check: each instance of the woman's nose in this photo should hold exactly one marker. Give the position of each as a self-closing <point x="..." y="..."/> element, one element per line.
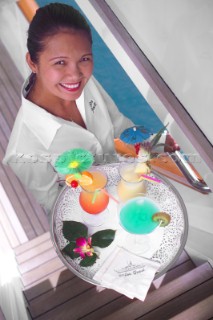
<point x="74" y="70"/>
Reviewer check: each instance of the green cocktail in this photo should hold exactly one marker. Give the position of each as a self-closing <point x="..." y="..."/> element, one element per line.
<point x="136" y="215"/>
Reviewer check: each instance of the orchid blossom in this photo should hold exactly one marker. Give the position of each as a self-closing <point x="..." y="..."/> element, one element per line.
<point x="84" y="247"/>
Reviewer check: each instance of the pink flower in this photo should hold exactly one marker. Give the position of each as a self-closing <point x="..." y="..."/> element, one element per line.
<point x="84" y="247"/>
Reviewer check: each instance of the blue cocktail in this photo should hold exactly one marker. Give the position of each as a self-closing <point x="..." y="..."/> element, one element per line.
<point x="136" y="215"/>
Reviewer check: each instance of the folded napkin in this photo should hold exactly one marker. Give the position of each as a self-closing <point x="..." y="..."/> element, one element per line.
<point x="127" y="273"/>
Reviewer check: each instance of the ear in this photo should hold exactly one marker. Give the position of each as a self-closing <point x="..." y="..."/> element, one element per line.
<point x="31" y="64"/>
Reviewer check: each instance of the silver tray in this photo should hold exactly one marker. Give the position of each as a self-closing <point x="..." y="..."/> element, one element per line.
<point x="172" y="238"/>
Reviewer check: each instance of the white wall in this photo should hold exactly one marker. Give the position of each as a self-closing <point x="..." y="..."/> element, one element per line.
<point x="177" y="37"/>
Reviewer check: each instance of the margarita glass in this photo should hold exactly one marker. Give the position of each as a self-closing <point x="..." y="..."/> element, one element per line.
<point x="135" y="215"/>
<point x="131" y="183"/>
<point x="94" y="199"/>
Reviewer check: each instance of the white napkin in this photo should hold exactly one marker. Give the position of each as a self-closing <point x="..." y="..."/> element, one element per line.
<point x="127" y="273"/>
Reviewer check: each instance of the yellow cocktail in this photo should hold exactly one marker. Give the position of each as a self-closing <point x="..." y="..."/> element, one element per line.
<point x="92" y="199"/>
<point x="131" y="184"/>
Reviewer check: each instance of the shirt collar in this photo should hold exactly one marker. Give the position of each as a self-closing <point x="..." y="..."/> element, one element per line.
<point x="43" y="124"/>
<point x="81" y="106"/>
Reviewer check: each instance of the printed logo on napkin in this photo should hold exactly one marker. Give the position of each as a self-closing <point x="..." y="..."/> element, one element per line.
<point x="130" y="269"/>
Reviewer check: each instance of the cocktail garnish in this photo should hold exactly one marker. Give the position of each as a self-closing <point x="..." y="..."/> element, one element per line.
<point x="85" y="179"/>
<point x="162" y="218"/>
<point x="74" y="183"/>
<point x="74" y="161"/>
<point x="142" y="167"/>
<point x="69" y="178"/>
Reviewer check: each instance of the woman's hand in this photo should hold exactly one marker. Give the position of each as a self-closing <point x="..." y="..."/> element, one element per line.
<point x="170" y="144"/>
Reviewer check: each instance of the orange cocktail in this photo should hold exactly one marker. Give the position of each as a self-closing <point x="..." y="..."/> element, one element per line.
<point x="92" y="198"/>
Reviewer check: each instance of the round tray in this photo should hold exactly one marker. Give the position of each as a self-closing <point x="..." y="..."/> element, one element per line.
<point x="171" y="239"/>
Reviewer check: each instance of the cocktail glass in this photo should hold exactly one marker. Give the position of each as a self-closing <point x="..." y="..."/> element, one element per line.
<point x="131" y="183"/>
<point x="94" y="199"/>
<point x="135" y="215"/>
<point x="141" y="235"/>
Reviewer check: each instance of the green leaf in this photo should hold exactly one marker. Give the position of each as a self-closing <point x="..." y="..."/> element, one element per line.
<point x="68" y="250"/>
<point x="103" y="238"/>
<point x="88" y="261"/>
<point x="73" y="230"/>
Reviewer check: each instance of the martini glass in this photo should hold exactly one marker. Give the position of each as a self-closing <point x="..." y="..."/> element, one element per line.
<point x="135" y="215"/>
<point x="141" y="234"/>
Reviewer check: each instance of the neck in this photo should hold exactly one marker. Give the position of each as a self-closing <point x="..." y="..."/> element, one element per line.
<point x="50" y="103"/>
<point x="64" y="109"/>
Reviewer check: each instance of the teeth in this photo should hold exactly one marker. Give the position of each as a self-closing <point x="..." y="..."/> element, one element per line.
<point x="70" y="86"/>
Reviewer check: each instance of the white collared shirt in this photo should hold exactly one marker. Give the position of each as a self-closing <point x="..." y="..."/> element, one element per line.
<point x="38" y="138"/>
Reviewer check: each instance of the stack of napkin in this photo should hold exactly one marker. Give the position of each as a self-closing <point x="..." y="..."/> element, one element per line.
<point x="127" y="273"/>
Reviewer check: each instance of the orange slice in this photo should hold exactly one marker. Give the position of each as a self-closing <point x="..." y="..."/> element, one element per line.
<point x="162" y="217"/>
<point x="85" y="179"/>
<point x="69" y="178"/>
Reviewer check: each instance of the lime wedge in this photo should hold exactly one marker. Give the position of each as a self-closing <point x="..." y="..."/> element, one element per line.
<point x="162" y="218"/>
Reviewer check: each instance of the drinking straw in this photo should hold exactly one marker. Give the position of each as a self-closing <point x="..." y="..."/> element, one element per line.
<point x="145" y="177"/>
<point x="110" y="196"/>
<point x="77" y="175"/>
<point x="95" y="195"/>
<point x="104" y="191"/>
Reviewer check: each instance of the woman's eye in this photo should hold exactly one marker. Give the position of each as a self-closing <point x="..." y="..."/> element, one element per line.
<point x="60" y="62"/>
<point x="85" y="59"/>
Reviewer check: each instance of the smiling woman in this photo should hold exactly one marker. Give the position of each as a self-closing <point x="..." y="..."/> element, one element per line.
<point x="63" y="105"/>
<point x="62" y="73"/>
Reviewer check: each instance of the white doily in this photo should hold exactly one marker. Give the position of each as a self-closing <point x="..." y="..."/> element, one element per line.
<point x="163" y="245"/>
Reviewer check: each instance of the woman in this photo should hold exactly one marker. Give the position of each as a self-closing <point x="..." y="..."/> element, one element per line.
<point x="63" y="106"/>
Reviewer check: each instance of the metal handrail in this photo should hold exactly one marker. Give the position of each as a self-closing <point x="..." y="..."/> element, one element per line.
<point x="189" y="173"/>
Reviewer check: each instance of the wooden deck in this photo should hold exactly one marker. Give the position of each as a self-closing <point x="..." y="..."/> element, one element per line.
<point x="14" y="197"/>
<point x="52" y="291"/>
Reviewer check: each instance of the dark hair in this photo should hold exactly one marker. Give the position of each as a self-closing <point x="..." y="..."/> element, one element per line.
<point x="48" y="21"/>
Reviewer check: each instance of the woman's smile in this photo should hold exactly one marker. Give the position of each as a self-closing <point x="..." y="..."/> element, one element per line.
<point x="71" y="86"/>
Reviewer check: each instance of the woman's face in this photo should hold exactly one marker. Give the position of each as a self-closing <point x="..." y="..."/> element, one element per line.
<point x="64" y="66"/>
